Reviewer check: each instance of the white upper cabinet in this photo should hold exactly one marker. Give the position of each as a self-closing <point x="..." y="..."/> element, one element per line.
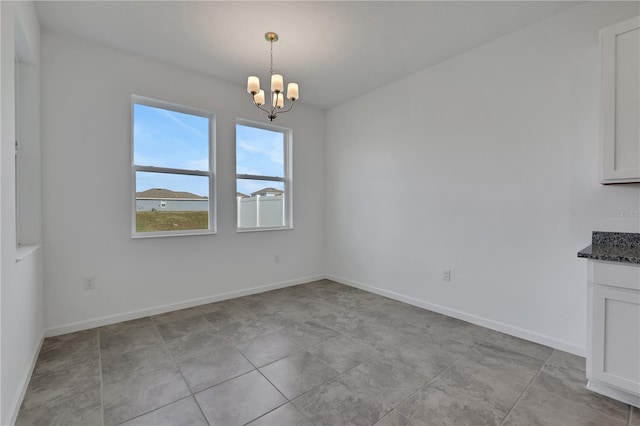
<point x="620" y="126"/>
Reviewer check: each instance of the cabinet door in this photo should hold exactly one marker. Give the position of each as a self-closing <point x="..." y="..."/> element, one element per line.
<point x="620" y="131"/>
<point x="616" y="337"/>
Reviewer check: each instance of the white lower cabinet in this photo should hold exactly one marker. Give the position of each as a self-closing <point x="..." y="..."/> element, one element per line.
<point x="613" y="347"/>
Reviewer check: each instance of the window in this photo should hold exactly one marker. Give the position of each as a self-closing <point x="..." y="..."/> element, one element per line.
<point x="27" y="173"/>
<point x="263" y="176"/>
<point x="173" y="169"/>
<point x="18" y="92"/>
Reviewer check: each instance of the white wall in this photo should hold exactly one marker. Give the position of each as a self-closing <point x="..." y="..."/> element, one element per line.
<point x="21" y="292"/>
<point x="496" y="150"/>
<point x="86" y="95"/>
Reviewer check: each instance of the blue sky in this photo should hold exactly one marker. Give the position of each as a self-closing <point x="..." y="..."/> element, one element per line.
<point x="258" y="152"/>
<point x="164" y="138"/>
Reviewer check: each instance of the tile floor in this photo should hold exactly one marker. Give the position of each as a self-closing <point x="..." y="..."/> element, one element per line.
<point x="314" y="354"/>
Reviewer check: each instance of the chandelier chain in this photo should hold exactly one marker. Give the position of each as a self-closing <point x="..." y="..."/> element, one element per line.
<point x="271" y="56"/>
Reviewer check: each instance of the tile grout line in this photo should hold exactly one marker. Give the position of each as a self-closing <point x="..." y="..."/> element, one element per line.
<point x="302" y="348"/>
<point x="586" y="407"/>
<point x="191" y="394"/>
<point x="173" y="358"/>
<point x="289" y="401"/>
<point x="101" y="383"/>
<point x="156" y="325"/>
<point x="561" y="396"/>
<point x="380" y="354"/>
<point x="305" y="348"/>
<point x="527" y="387"/>
<point x="299" y="349"/>
<point x="434" y="378"/>
<point x="256" y="368"/>
<point x="156" y="409"/>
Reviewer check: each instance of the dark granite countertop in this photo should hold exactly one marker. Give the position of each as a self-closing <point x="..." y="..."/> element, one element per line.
<point x="621" y="247"/>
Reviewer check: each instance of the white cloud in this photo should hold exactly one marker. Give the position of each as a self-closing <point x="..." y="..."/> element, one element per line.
<point x="272" y="149"/>
<point x="174" y="117"/>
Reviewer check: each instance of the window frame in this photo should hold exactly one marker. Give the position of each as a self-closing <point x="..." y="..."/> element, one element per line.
<point x="27" y="150"/>
<point x="287" y="179"/>
<point x="17" y="158"/>
<point x="211" y="173"/>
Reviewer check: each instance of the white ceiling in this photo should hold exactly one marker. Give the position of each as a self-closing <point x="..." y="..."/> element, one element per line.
<point x="335" y="50"/>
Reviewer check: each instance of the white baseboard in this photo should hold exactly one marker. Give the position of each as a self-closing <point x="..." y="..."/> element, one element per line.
<point x="112" y="319"/>
<point x="24" y="384"/>
<point x="611" y="392"/>
<point x="474" y="319"/>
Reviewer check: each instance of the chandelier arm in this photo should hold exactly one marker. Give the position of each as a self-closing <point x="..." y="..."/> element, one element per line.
<point x="271" y="114"/>
<point x="260" y="108"/>
<point x="288" y="109"/>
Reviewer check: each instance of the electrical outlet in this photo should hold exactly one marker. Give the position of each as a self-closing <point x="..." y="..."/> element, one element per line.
<point x="89" y="283"/>
<point x="446" y="275"/>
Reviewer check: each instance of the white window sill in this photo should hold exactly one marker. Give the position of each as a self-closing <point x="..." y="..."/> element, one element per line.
<point x="275" y="228"/>
<point x="25" y="251"/>
<point x="143" y="235"/>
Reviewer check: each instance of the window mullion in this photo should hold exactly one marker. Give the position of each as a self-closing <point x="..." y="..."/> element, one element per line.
<point x="153" y="169"/>
<point x="258" y="177"/>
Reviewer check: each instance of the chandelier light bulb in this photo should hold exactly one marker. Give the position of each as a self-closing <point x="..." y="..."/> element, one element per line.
<point x="293" y="91"/>
<point x="277" y="83"/>
<point x="258" y="98"/>
<point x="278" y="100"/>
<point x="253" y="85"/>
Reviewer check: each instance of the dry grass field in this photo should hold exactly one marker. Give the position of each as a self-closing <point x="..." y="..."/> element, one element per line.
<point x="171" y="221"/>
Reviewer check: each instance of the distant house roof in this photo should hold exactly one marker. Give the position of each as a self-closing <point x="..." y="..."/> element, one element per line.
<point x="268" y="191"/>
<point x="164" y="194"/>
<point x="241" y="195"/>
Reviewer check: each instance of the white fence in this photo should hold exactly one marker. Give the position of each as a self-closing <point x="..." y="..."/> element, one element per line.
<point x="261" y="211"/>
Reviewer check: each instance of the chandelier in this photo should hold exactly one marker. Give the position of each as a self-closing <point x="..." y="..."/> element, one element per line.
<point x="277" y="86"/>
